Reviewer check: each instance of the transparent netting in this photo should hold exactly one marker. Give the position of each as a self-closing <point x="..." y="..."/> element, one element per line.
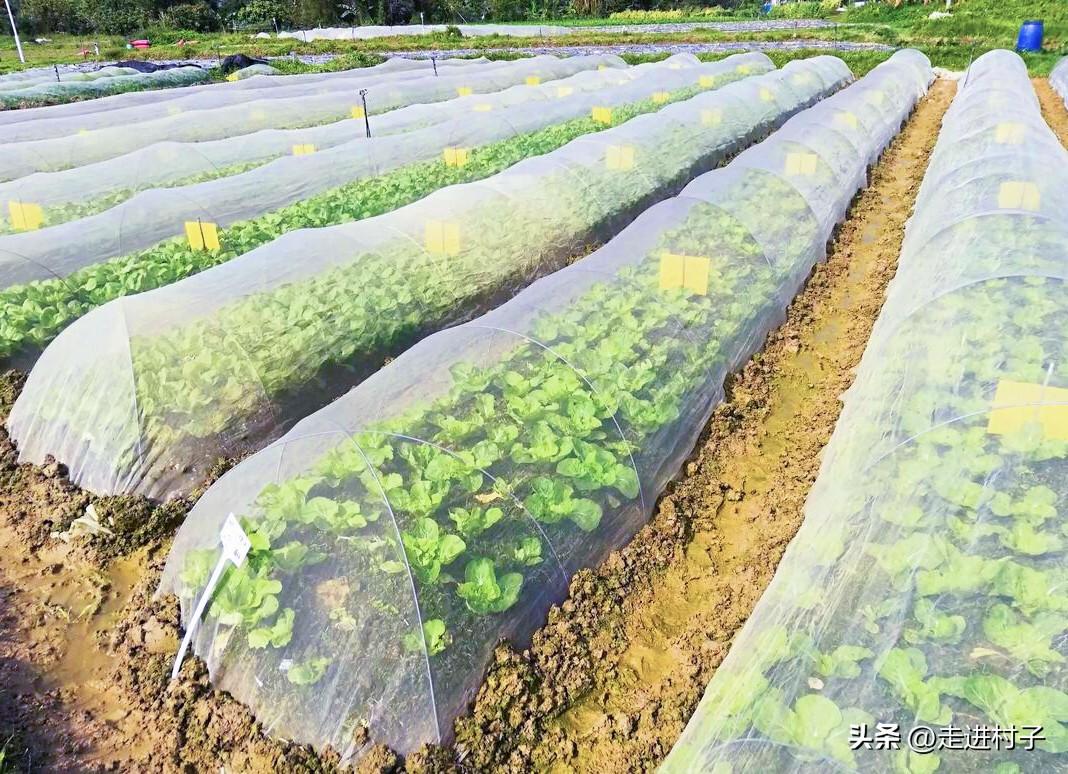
<point x="223" y="361"/>
<point x="1058" y="79"/>
<point x="467" y="30"/>
<point x="50" y="276"/>
<point x="385" y="93"/>
<point x="925" y="588"/>
<point x="90" y="188"/>
<point x="155" y="214"/>
<point x="399" y="533"/>
<point x="123" y="80"/>
<point x="190" y="103"/>
<point x="147" y="98"/>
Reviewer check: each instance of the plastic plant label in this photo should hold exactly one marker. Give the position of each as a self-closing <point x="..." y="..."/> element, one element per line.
<point x="713" y="117"/>
<point x="845" y="118"/>
<point x="602" y="115"/>
<point x="1009" y="133"/>
<point x="798" y="164"/>
<point x="303" y="150"/>
<point x="464" y="91"/>
<point x="202" y="235"/>
<point x="235" y="543"/>
<point x="25" y="216"/>
<point x="619" y="157"/>
<point x="601" y="67"/>
<point x="483" y="107"/>
<point x="684" y="271"/>
<point x="743" y="69"/>
<point x="766" y="95"/>
<point x="660" y="97"/>
<point x="357" y="111"/>
<point x="1019" y="195"/>
<point x="442" y="238"/>
<point x="455" y="157"/>
<point x="533" y="80"/>
<point x="707" y="81"/>
<point x="1024" y="406"/>
<point x="83" y="132"/>
<point x="564" y="91"/>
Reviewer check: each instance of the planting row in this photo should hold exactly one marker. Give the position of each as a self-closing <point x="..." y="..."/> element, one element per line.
<point x="926" y="586"/>
<point x="400" y="532"/>
<point x="1058" y="79"/>
<point x="385" y="93"/>
<point x="220" y="362"/>
<point x="81" y="191"/>
<point x="60" y="273"/>
<point x="148" y="98"/>
<point x="108" y="81"/>
<point x="190" y="104"/>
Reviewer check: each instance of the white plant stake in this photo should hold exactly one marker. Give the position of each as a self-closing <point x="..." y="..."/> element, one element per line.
<point x="235" y="546"/>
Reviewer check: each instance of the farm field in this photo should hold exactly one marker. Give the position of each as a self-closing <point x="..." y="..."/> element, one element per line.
<point x="587" y="413"/>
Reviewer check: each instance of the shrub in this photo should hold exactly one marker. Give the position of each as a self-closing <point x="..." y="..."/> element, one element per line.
<point x="197" y="16"/>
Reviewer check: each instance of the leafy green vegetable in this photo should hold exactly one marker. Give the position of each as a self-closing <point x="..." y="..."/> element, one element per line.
<point x="308" y="672"/>
<point x="482" y="591"/>
<point x="429" y="549"/>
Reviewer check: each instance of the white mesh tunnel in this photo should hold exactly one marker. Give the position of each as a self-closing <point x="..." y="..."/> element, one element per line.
<point x="85" y="190"/>
<point x="41" y="115"/>
<point x="385" y="92"/>
<point x="222" y="361"/>
<point x="190" y="103"/>
<point x="370" y="31"/>
<point x="1058" y="79"/>
<point x="116" y="81"/>
<point x="50" y="276"/>
<point x="925" y="588"/>
<point x="444" y="503"/>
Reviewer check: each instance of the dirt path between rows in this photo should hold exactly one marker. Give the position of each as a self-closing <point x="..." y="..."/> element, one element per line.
<point x="611" y="681"/>
<point x="1053" y="109"/>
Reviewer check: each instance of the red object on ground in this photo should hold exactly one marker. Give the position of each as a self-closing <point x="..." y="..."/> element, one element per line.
<point x="140" y="43"/>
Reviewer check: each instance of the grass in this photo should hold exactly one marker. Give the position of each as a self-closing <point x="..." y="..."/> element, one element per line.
<point x="975" y="26"/>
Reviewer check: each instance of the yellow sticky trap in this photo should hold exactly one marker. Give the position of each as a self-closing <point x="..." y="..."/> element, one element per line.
<point x="743" y="69"/>
<point x="802" y="78"/>
<point x="25" y="216"/>
<point x="707" y="81"/>
<point x="455" y="157"/>
<point x="533" y="80"/>
<point x="357" y="111"/>
<point x="602" y="67"/>
<point x="801" y="164"/>
<point x="303" y="150"/>
<point x="1009" y="133"/>
<point x="684" y="271"/>
<point x="464" y="91"/>
<point x="83" y="132"/>
<point x="766" y="95"/>
<point x="442" y="238"/>
<point x="564" y="91"/>
<point x="483" y="107"/>
<point x="202" y="235"/>
<point x="1026" y="402"/>
<point x="845" y="118"/>
<point x="660" y="97"/>
<point x="713" y="117"/>
<point x="619" y="157"/>
<point x="602" y="115"/>
<point x="1019" y="195"/>
<point x="231" y="77"/>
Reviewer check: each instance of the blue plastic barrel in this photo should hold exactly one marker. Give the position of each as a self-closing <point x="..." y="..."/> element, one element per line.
<point x="1030" y="37"/>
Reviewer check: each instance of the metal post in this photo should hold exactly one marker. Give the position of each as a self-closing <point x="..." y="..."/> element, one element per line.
<point x="56" y="68"/>
<point x="15" y="31"/>
<point x="366" y="119"/>
<point x="434" y="61"/>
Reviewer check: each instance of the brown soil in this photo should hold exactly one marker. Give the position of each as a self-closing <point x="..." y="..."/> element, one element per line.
<point x="1053" y="109"/>
<point x="610" y="682"/>
<point x="85" y="651"/>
